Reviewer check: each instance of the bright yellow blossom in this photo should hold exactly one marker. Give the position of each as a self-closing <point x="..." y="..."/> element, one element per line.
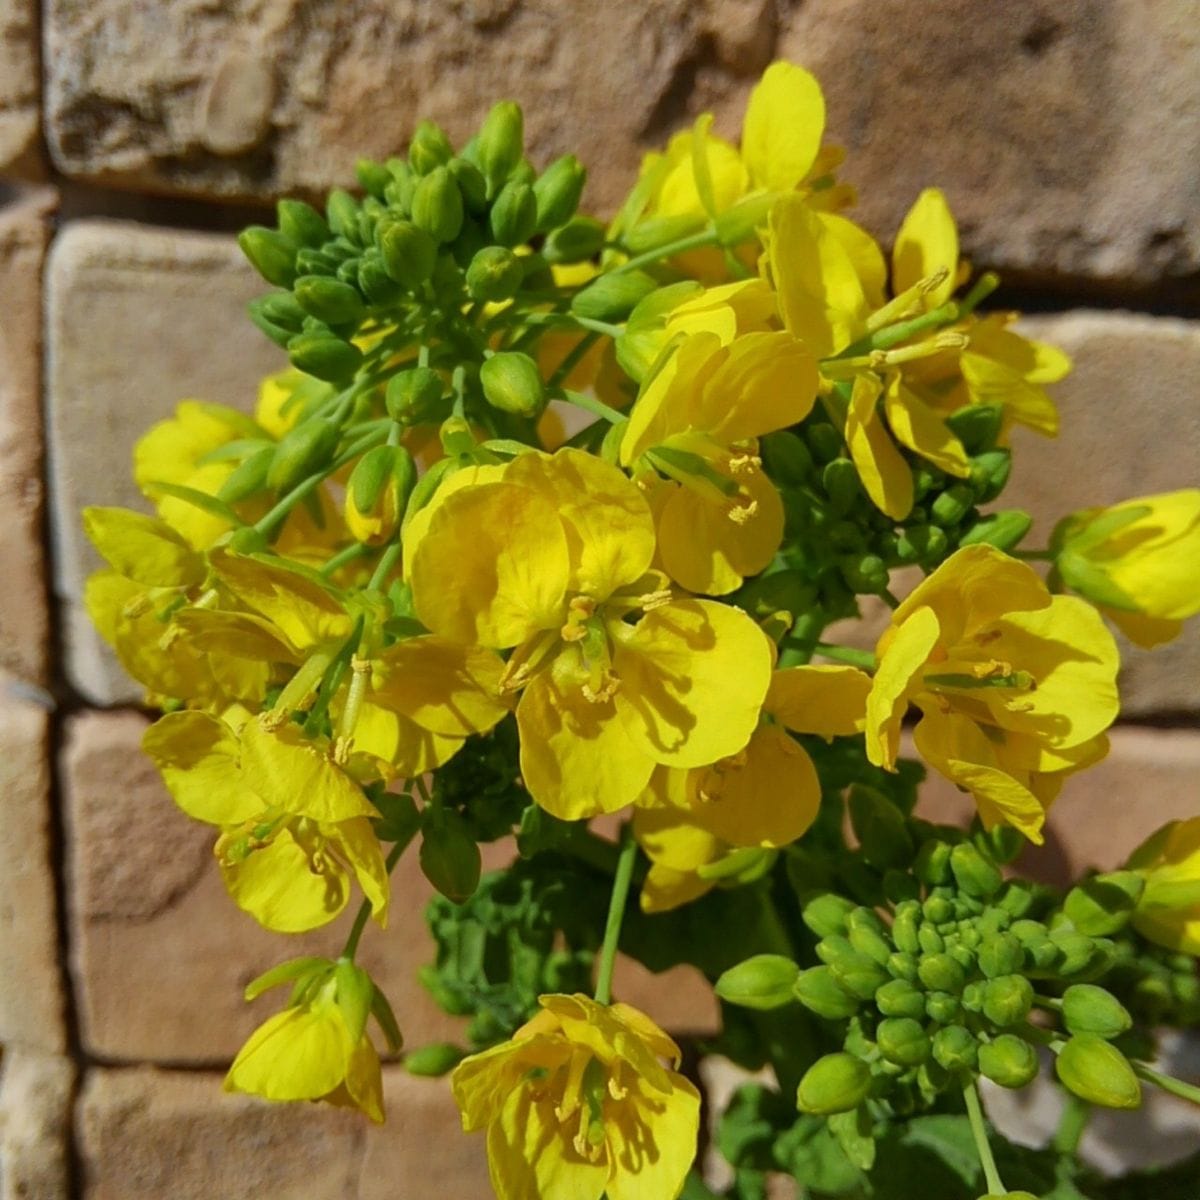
<point x="550" y="556"/>
<point x="1016" y="687"/>
<point x="1168" y="911"/>
<point x="578" y="1106"/>
<point x="1138" y="560"/>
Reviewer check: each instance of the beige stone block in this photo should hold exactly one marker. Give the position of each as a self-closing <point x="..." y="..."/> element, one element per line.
<point x="160" y="954"/>
<point x="31" y="1002"/>
<point x="1150" y="777"/>
<point x="20" y="90"/>
<point x="137" y="320"/>
<point x="257" y="99"/>
<point x="35" y="1126"/>
<point x="24" y="231"/>
<point x="1065" y="135"/>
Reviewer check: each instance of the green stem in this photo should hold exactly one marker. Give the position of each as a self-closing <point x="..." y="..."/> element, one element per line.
<point x="346" y="555"/>
<point x="1185" y="1091"/>
<point x="616" y="914"/>
<point x="847" y="654"/>
<point x="572" y="359"/>
<point x="385" y="564"/>
<point x="694" y="241"/>
<point x="979" y="1133"/>
<point x="590" y="404"/>
<point x="1071" y="1125"/>
<point x="364" y="909"/>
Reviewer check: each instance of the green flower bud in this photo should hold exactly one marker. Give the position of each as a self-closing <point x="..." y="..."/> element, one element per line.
<point x="612" y="297"/>
<point x="579" y="239"/>
<point x="1017" y="899"/>
<point x="827" y="914"/>
<point x="315" y="262"/>
<point x="558" y="192"/>
<point x="898" y="998"/>
<point x="865" y="574"/>
<point x="1007" y="1000"/>
<point x="513" y="218"/>
<point x="470" y="183"/>
<point x="1044" y="958"/>
<point x="1004" y="530"/>
<point x="449" y="856"/>
<point x="942" y="1007"/>
<point x="763" y="981"/>
<point x="377" y="493"/>
<point x="973" y="873"/>
<point x="512" y="383"/>
<point x="740" y="223"/>
<point x="786" y="458"/>
<point x="951" y="505"/>
<point x="858" y="974"/>
<point x="880" y="827"/>
<point x="841" y="484"/>
<point x="1096" y="1071"/>
<point x="993" y="920"/>
<point x="413" y="393"/>
<point x="940" y="973"/>
<point x="905" y="925"/>
<point x="835" y="1083"/>
<point x="500" y="144"/>
<point x="249" y="477"/>
<point x="932" y="865"/>
<point x="1009" y="1061"/>
<point x="374" y="281"/>
<point x="989" y="474"/>
<point x="939" y="910"/>
<point x="328" y="300"/>
<point x="434" y="1060"/>
<point x="955" y="1048"/>
<point x="301" y="452"/>
<point x="1104" y="904"/>
<point x="921" y="544"/>
<point x="321" y="354"/>
<point x="494" y="274"/>
<point x="280" y="334"/>
<point x="1090" y="1009"/>
<point x="962" y="954"/>
<point x="926" y="478"/>
<point x="824" y="441"/>
<point x="341" y="212"/>
<point x="1076" y="950"/>
<point x="1000" y="954"/>
<point x="437" y="206"/>
<point x="353" y="996"/>
<point x="409" y="253"/>
<point x="972" y="996"/>
<point x="931" y="942"/>
<point x="653" y="232"/>
<point x="818" y="989"/>
<point x="873" y="945"/>
<point x="902" y="966"/>
<point x="1027" y="932"/>
<point x="270" y="253"/>
<point x="903" y="1041"/>
<point x="302" y="224"/>
<point x="429" y="149"/>
<point x="977" y="426"/>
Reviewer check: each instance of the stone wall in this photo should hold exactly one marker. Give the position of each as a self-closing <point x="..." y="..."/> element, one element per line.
<point x="136" y="135"/>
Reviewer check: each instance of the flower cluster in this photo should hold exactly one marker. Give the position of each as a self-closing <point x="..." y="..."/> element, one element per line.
<point x="546" y="522"/>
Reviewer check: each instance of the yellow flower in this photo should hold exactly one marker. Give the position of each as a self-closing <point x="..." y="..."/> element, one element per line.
<point x="318" y="1047"/>
<point x="1168" y="911"/>
<point x="294" y="826"/>
<point x="577" y="1105"/>
<point x="550" y="556"/>
<point x="1138" y="560"/>
<point x="1016" y="687"/>
<point x="696" y="422"/>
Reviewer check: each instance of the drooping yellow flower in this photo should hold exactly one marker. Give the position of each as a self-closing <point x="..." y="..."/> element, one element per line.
<point x="1016" y="687"/>
<point x="550" y="556"/>
<point x="696" y="422"/>
<point x="577" y="1106"/>
<point x="295" y="827"/>
<point x="1168" y="911"/>
<point x="317" y="1048"/>
<point x="1138" y="560"/>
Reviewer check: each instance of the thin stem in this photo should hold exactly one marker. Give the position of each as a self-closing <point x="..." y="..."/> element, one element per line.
<point x="346" y="555"/>
<point x="1071" y="1124"/>
<point x="616" y="914"/>
<point x="364" y="909"/>
<point x="1185" y="1091"/>
<point x="385" y="564"/>
<point x="847" y="654"/>
<point x="979" y="1133"/>
<point x="572" y="359"/>
<point x="706" y="237"/>
<point x="590" y="404"/>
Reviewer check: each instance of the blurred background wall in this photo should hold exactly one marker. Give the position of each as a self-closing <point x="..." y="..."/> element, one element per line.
<point x="136" y="135"/>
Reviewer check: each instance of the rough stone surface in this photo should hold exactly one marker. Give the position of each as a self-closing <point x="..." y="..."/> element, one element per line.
<point x="24" y="230"/>
<point x="35" y="1120"/>
<point x="31" y="1006"/>
<point x="137" y="319"/>
<point x="256" y="98"/>
<point x="1150" y="777"/>
<point x="20" y="90"/>
<point x="1065" y="134"/>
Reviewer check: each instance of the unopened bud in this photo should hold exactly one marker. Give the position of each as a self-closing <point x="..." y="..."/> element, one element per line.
<point x="579" y="239"/>
<point x="434" y="1060"/>
<point x="248" y="478"/>
<point x="1096" y="1071"/>
<point x="270" y="253"/>
<point x="495" y="274"/>
<point x="903" y="1041"/>
<point x="942" y="1007"/>
<point x="613" y="297"/>
<point x="471" y="183"/>
<point x="761" y="982"/>
<point x="302" y="224"/>
<point x="341" y="212"/>
<point x="1009" y="1061"/>
<point x="818" y="989"/>
<point x="409" y="253"/>
<point x="354" y="994"/>
<point x="905" y="927"/>
<point x="989" y="474"/>
<point x="835" y="1083"/>
<point x="302" y="452"/>
<point x="932" y="865"/>
<point x="1104" y="904"/>
<point x="826" y="914"/>
<point x="951" y="505"/>
<point x="512" y="383"/>
<point x="558" y="192"/>
<point x="973" y="873"/>
<point x="429" y="149"/>
<point x="880" y="827"/>
<point x="324" y="355"/>
<point x="1000" y="954"/>
<point x="977" y="426"/>
<point x="513" y="218"/>
<point x="1090" y="1009"/>
<point x="898" y="998"/>
<point x="941" y="973"/>
<point x="329" y="300"/>
<point x="377" y="492"/>
<point x="858" y="974"/>
<point x="955" y="1048"/>
<point x="437" y="206"/>
<point x="1007" y="1000"/>
<point x="501" y="143"/>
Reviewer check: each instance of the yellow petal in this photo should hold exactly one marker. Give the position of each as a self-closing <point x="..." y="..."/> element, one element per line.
<point x="993" y="382"/>
<point x="197" y="526"/>
<point x="298" y="1054"/>
<point x="899" y="675"/>
<point x="765" y="381"/>
<point x="142" y="548"/>
<point x="693" y="677"/>
<point x="923" y="431"/>
<point x="927" y="242"/>
<point x="240" y="634"/>
<point x="864" y="253"/>
<point x="356" y="842"/>
<point x="363" y="1087"/>
<point x="1143" y="631"/>
<point x="782" y="129"/>
<point x="652" y="1140"/>
<point x="400" y="747"/>
<point x="885" y="475"/>
<point x="170" y="451"/>
<point x="665" y="889"/>
<point x="576" y="758"/>
<point x="494" y="567"/>
<point x="830" y="701"/>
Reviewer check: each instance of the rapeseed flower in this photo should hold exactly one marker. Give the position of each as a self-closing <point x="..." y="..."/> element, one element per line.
<point x="1168" y="910"/>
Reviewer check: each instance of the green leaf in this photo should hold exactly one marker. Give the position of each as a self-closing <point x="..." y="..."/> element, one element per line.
<point x="855" y="1135"/>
